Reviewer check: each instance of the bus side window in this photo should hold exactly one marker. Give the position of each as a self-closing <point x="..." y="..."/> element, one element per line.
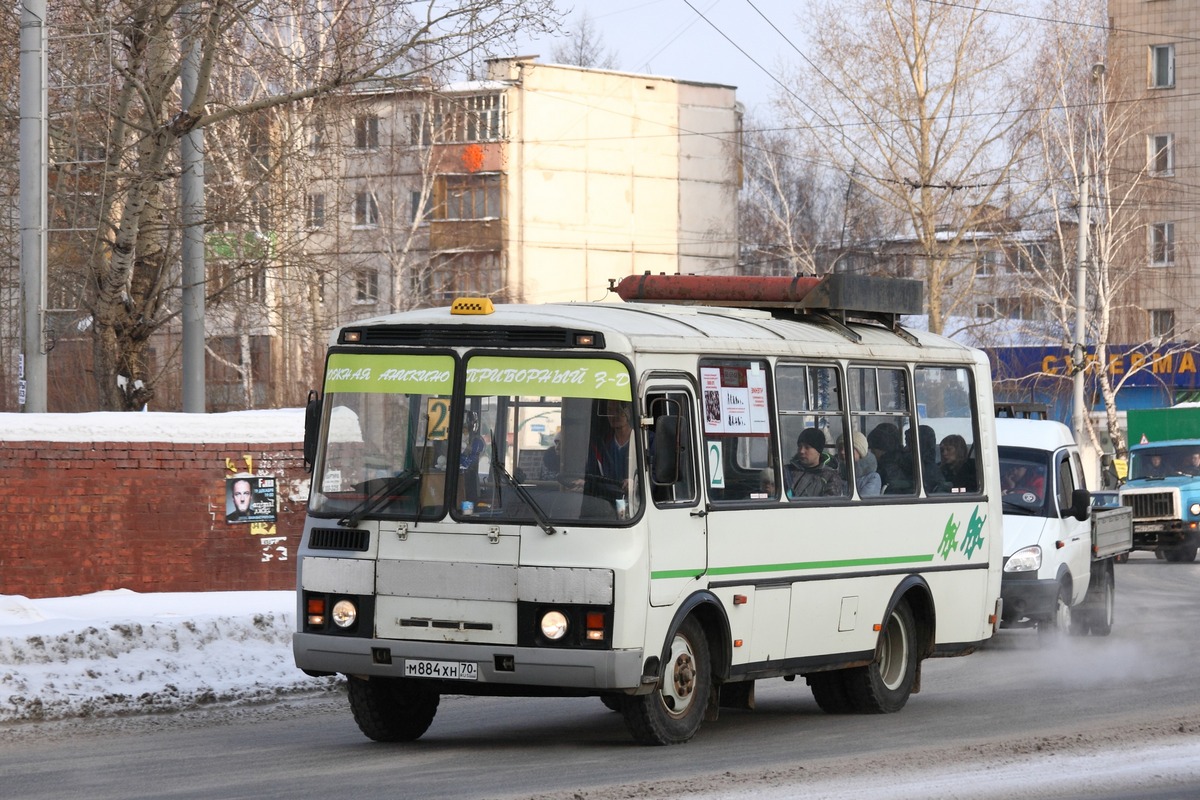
<point x="945" y="401"/>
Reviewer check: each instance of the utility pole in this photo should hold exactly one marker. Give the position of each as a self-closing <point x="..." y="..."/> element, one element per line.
<point x="1079" y="351"/>
<point x="191" y="196"/>
<point x="31" y="387"/>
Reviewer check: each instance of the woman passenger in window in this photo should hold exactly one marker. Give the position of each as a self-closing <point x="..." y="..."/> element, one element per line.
<point x="958" y="470"/>
<point x="866" y="474"/>
<point x="884" y="442"/>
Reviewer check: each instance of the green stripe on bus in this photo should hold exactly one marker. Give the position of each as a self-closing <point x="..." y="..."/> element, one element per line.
<point x="794" y="567"/>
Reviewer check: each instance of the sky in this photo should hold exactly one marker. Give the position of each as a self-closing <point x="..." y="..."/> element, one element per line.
<point x="730" y="42"/>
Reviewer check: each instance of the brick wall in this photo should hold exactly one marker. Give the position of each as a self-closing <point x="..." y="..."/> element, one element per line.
<point x="80" y="517"/>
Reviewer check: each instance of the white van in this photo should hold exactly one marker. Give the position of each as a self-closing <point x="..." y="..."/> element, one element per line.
<point x="1058" y="555"/>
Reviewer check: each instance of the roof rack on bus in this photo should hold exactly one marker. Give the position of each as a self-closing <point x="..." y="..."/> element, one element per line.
<point x="836" y="297"/>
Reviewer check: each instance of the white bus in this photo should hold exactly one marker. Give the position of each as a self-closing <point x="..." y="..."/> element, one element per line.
<point x="482" y="521"/>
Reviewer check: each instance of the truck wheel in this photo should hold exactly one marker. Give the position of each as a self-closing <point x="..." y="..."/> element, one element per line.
<point x="1101" y="617"/>
<point x="1060" y="623"/>
<point x="672" y="713"/>
<point x="883" y="686"/>
<point x="1184" y="553"/>
<point x="391" y="709"/>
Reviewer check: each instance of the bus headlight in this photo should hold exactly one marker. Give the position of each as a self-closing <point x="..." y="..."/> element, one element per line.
<point x="1027" y="559"/>
<point x="554" y="625"/>
<point x="344" y="613"/>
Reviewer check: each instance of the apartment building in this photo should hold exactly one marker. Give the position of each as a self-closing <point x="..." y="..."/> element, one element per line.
<point x="539" y="183"/>
<point x="1155" y="54"/>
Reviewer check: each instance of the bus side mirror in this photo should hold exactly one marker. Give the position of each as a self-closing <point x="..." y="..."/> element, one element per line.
<point x="312" y="428"/>
<point x="1081" y="505"/>
<point x="668" y="442"/>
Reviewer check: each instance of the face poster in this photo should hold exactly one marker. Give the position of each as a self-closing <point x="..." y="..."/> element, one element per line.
<point x="250" y="498"/>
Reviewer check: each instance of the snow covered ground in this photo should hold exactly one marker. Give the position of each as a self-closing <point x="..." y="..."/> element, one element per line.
<point x="120" y="652"/>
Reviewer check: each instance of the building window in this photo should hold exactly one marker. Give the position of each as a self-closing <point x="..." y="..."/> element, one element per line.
<point x="1162" y="66"/>
<point x="366" y="286"/>
<point x="463" y="118"/>
<point x="1025" y="307"/>
<point x="314" y="210"/>
<point x="989" y="263"/>
<point x="471" y="197"/>
<point x="316" y="134"/>
<point x="1162" y="154"/>
<point x="1031" y="259"/>
<point x="366" y="210"/>
<point x="1162" y="244"/>
<point x="460" y="274"/>
<point x="418" y="211"/>
<point x="366" y="132"/>
<point x="985" y="311"/>
<point x="1162" y="324"/>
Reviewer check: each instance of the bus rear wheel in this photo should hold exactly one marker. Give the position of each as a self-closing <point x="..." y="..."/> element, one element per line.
<point x="392" y="709"/>
<point x="829" y="690"/>
<point x="884" y="685"/>
<point x="672" y="713"/>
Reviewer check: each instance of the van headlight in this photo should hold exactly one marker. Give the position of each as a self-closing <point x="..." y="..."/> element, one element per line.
<point x="1027" y="559"/>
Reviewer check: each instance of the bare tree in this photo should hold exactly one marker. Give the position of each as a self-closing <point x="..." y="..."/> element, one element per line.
<point x="910" y="100"/>
<point x="255" y="56"/>
<point x="1095" y="123"/>
<point x="584" y="47"/>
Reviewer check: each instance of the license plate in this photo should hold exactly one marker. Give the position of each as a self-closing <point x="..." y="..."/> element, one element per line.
<point x="446" y="670"/>
<point x="1148" y="528"/>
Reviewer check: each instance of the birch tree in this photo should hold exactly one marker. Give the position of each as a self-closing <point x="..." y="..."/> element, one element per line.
<point x="307" y="48"/>
<point x="913" y="102"/>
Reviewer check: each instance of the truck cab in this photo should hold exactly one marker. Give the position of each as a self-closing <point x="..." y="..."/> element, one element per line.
<point x="1163" y="490"/>
<point x="1047" y="533"/>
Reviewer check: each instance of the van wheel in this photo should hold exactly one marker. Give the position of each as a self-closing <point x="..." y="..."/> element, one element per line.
<point x="1101" y="618"/>
<point x="392" y="709"/>
<point x="1061" y="621"/>
<point x="883" y="686"/>
<point x="672" y="713"/>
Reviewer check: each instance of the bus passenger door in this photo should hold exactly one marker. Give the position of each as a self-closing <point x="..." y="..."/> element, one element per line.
<point x="674" y="515"/>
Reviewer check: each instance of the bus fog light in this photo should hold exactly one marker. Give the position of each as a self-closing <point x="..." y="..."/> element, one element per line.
<point x="554" y="625"/>
<point x="344" y="613"/>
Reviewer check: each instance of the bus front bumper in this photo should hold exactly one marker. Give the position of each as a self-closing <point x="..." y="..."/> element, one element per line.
<point x="498" y="669"/>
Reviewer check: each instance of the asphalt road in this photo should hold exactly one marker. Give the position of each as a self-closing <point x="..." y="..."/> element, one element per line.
<point x="1016" y="702"/>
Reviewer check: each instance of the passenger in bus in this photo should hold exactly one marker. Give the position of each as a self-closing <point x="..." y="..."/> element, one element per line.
<point x="766" y="483"/>
<point x="808" y="474"/>
<point x="552" y="460"/>
<point x="927" y="445"/>
<point x="884" y="443"/>
<point x="958" y="471"/>
<point x="866" y="472"/>
<point x="607" y="473"/>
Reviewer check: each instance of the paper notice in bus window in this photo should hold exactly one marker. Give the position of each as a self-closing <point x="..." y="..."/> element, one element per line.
<point x="735" y="401"/>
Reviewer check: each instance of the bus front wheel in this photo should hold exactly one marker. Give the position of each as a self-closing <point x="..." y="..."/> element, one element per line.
<point x="672" y="713"/>
<point x="391" y="709"/>
<point x="883" y="686"/>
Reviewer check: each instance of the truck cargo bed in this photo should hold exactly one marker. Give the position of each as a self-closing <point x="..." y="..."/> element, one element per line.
<point x="1112" y="532"/>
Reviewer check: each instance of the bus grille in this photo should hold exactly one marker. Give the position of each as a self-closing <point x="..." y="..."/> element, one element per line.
<point x="1156" y="505"/>
<point x="339" y="539"/>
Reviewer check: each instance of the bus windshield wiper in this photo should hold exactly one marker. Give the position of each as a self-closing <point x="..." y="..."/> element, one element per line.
<point x="522" y="492"/>
<point x="388" y="487"/>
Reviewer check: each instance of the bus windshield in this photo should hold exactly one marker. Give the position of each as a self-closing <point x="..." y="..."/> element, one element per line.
<point x="549" y="439"/>
<point x="386" y="427"/>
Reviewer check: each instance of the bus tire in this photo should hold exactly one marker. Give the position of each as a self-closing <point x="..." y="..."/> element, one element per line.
<point x="672" y="713"/>
<point x="391" y="709"/>
<point x="612" y="701"/>
<point x="830" y="692"/>
<point x="884" y="685"/>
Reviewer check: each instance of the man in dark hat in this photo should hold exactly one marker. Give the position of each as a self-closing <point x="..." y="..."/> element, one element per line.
<point x="809" y="473"/>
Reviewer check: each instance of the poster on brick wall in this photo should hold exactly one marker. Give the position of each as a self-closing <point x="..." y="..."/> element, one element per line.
<point x="249" y="499"/>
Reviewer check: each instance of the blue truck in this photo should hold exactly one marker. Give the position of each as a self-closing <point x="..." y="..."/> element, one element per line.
<point x="1163" y="484"/>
